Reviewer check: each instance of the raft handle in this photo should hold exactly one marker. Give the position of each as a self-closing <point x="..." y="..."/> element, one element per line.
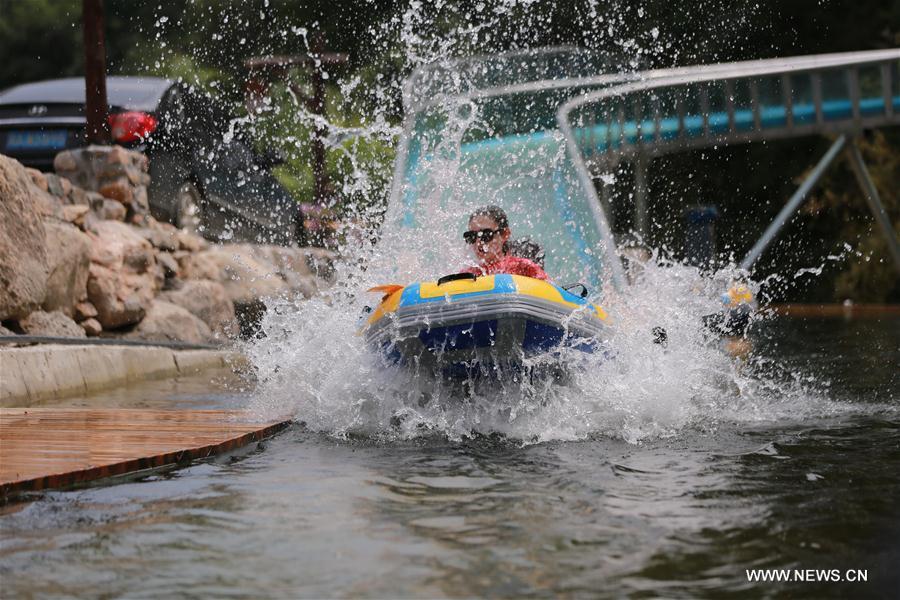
<point x="456" y="277"/>
<point x="584" y="290"/>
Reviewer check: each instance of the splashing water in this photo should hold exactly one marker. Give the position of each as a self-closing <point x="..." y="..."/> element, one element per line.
<point x="312" y="362"/>
<point x="315" y="366"/>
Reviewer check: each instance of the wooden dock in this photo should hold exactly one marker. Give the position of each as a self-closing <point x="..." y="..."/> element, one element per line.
<point x="53" y="448"/>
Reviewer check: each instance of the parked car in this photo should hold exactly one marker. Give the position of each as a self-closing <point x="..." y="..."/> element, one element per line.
<point x="204" y="176"/>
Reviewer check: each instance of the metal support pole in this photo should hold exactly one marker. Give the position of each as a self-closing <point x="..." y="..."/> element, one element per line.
<point x="95" y="73"/>
<point x="641" y="164"/>
<point x="793" y="204"/>
<point x="874" y="201"/>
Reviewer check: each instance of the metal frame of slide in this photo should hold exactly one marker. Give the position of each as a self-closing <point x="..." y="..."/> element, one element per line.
<point x="641" y="139"/>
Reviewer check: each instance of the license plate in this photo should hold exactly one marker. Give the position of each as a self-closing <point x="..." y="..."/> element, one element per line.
<point x="36" y="140"/>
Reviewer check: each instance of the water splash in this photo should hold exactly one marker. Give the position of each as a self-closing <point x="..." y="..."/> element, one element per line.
<point x="316" y="367"/>
<point x="311" y="361"/>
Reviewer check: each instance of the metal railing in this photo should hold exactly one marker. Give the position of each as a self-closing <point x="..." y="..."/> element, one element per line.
<point x="711" y="105"/>
<point x="841" y="94"/>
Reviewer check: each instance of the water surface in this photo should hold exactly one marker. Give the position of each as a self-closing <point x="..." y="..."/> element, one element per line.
<point x="309" y="515"/>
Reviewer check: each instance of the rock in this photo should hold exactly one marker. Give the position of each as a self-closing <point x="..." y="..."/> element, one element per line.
<point x="140" y="200"/>
<point x="208" y="301"/>
<point x="39" y="179"/>
<point x="75" y="213"/>
<point x="68" y="259"/>
<point x="169" y="265"/>
<point x="5" y="332"/>
<point x="54" y="185"/>
<point x="200" y="266"/>
<point x="115" y="172"/>
<point x="96" y="201"/>
<point x="139" y="220"/>
<point x="118" y="191"/>
<point x="116" y="243"/>
<point x="190" y="242"/>
<point x="246" y="276"/>
<point x="23" y="268"/>
<point x="46" y="204"/>
<point x="166" y="321"/>
<point x="134" y="176"/>
<point x="159" y="237"/>
<point x="66" y="186"/>
<point x="292" y="264"/>
<point x="250" y="272"/>
<point x="84" y="311"/>
<point x="65" y="161"/>
<point x="304" y="269"/>
<point x="54" y="324"/>
<point x="321" y="262"/>
<point x="112" y="211"/>
<point x="141" y="162"/>
<point x="91" y="327"/>
<point x="287" y="260"/>
<point x="117" y="155"/>
<point x="124" y="274"/>
<point x="79" y="196"/>
<point x="120" y="298"/>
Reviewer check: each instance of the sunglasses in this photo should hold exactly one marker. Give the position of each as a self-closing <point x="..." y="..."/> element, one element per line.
<point x="485" y="235"/>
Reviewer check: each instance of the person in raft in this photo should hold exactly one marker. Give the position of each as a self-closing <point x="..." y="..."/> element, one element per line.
<point x="489" y="235"/>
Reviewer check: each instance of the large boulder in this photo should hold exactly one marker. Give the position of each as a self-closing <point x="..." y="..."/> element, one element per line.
<point x="200" y="265"/>
<point x="161" y="235"/>
<point x="55" y="324"/>
<point x="190" y="241"/>
<point x="250" y="273"/>
<point x="117" y="244"/>
<point x="124" y="274"/>
<point x="286" y="260"/>
<point x="247" y="277"/>
<point x="68" y="258"/>
<point x="23" y="252"/>
<point x="120" y="299"/>
<point x="208" y="301"/>
<point x="167" y="321"/>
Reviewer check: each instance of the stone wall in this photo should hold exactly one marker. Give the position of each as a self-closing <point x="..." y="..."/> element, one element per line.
<point x="111" y="171"/>
<point x="86" y="261"/>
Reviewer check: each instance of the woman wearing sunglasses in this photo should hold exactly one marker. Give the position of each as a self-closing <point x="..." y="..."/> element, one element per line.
<point x="489" y="234"/>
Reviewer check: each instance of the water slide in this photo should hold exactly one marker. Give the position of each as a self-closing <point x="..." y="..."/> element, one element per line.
<point x="492" y="130"/>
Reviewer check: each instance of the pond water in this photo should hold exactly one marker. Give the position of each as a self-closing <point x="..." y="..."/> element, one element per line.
<point x="682" y="515"/>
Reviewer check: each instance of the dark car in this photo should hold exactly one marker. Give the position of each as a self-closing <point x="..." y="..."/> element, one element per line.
<point x="204" y="175"/>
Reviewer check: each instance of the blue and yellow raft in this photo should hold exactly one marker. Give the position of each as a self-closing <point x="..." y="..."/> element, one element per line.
<point x="461" y="322"/>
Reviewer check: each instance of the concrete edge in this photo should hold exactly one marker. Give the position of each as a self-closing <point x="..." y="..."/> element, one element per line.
<point x="56" y="371"/>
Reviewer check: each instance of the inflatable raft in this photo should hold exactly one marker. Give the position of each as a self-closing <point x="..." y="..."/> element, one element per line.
<point x="463" y="323"/>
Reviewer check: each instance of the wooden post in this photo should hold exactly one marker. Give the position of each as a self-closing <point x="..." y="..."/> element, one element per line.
<point x="320" y="172"/>
<point x="263" y="69"/>
<point x="96" y="110"/>
<point x="317" y="107"/>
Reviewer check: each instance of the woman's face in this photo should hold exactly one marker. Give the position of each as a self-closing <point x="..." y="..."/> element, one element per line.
<point x="488" y="251"/>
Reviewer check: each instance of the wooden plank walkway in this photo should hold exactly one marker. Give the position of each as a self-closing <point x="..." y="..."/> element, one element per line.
<point x="52" y="448"/>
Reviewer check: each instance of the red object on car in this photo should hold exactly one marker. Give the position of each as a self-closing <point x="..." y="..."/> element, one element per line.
<point x="131" y="126"/>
